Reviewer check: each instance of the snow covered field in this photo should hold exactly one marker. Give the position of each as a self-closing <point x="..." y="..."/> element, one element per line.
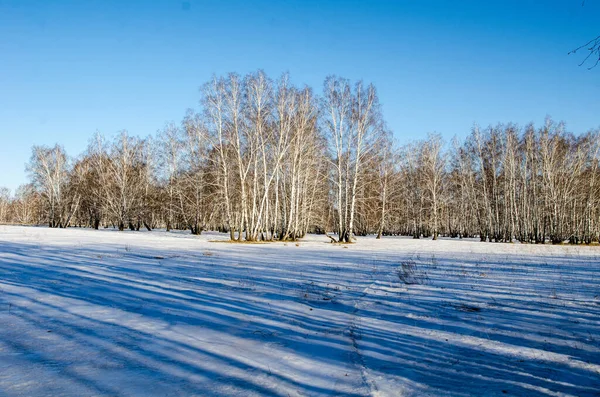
<point x="86" y="313"/>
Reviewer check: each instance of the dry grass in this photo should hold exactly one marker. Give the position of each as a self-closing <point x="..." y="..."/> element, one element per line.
<point x="242" y="242"/>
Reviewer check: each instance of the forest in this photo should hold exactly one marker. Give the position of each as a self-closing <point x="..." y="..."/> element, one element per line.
<point x="263" y="159"/>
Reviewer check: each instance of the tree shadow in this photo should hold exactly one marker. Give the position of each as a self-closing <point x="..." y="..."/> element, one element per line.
<point x="92" y="319"/>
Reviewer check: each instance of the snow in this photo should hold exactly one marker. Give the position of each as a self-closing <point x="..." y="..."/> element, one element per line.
<point x="87" y="313"/>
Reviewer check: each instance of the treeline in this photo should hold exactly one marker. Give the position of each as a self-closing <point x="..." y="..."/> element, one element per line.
<point x="265" y="160"/>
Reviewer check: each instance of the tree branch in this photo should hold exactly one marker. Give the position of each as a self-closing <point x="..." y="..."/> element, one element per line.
<point x="593" y="48"/>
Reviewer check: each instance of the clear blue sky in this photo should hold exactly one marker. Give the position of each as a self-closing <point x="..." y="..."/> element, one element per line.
<point x="69" y="68"/>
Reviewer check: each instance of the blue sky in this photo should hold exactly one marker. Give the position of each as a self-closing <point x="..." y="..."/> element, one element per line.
<point x="69" y="68"/>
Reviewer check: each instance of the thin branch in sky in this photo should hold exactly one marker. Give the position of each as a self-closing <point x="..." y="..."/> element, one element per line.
<point x="593" y="47"/>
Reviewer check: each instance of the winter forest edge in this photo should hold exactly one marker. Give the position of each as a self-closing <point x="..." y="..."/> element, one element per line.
<point x="265" y="160"/>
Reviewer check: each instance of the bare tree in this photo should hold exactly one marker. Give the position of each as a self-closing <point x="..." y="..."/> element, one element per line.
<point x="49" y="172"/>
<point x="433" y="161"/>
<point x="354" y="123"/>
<point x="27" y="205"/>
<point x="5" y="201"/>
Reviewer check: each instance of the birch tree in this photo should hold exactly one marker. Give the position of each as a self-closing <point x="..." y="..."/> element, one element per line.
<point x="48" y="168"/>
